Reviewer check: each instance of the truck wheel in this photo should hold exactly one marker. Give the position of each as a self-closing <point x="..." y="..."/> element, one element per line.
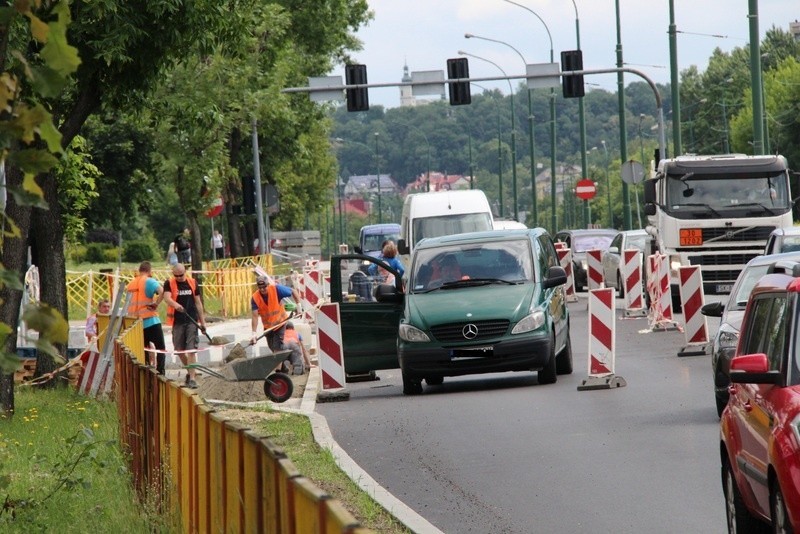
<point x="548" y="375"/>
<point x="434" y="380"/>
<point x="411" y="386"/>
<point x="564" y="359"/>
<point x="778" y="513"/>
<point x="278" y="387"/>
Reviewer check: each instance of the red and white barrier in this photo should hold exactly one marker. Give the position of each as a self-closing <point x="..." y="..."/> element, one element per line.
<point x="695" y="325"/>
<point x="594" y="269"/>
<point x="329" y="341"/>
<point x="97" y="376"/>
<point x="313" y="295"/>
<point x="601" y="332"/>
<point x="560" y="245"/>
<point x="661" y="296"/>
<point x="565" y="260"/>
<point x="631" y="270"/>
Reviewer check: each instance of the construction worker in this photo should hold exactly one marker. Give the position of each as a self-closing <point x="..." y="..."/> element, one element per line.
<point x="184" y="314"/>
<point x="146" y="295"/>
<point x="266" y="304"/>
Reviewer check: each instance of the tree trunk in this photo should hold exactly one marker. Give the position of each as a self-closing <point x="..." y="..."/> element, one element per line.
<point x="15" y="259"/>
<point x="47" y="231"/>
<point x="232" y="193"/>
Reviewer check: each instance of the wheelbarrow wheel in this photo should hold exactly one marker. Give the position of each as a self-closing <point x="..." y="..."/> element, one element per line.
<point x="278" y="387"/>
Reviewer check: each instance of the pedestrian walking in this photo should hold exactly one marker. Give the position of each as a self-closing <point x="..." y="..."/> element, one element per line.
<point x="218" y="245"/>
<point x="183" y="246"/>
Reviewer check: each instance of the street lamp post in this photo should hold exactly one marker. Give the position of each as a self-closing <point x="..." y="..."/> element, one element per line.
<point x="623" y="134"/>
<point x="378" y="173"/>
<point x="530" y="125"/>
<point x="552" y="121"/>
<point x="499" y="149"/>
<point x="513" y="133"/>
<point x="581" y="114"/>
<point x="608" y="185"/>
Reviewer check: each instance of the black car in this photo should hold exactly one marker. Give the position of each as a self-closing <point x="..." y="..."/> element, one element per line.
<point x="579" y="241"/>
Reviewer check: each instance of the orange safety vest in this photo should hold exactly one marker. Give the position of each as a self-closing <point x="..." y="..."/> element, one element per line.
<point x="271" y="312"/>
<point x="173" y="288"/>
<point x="139" y="301"/>
<point x="290" y="334"/>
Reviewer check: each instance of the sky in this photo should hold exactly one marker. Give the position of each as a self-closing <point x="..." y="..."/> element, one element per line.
<point x="424" y="33"/>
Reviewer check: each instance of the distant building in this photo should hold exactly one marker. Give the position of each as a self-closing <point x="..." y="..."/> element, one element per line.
<point x="438" y="182"/>
<point x="407" y="98"/>
<point x="368" y="185"/>
<point x="794" y="29"/>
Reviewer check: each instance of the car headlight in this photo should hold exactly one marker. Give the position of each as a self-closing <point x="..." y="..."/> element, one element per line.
<point x="529" y="322"/>
<point x="412" y="334"/>
<point x="728" y="340"/>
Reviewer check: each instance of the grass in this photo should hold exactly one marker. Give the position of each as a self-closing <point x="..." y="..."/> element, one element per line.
<point x="61" y="469"/>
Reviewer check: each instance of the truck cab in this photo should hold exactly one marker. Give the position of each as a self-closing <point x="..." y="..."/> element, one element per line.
<point x="716" y="212"/>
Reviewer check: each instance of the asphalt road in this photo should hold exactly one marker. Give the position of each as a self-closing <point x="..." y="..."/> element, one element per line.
<point x="500" y="453"/>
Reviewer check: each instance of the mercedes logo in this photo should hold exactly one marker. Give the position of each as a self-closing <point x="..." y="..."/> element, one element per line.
<point x="470" y="331"/>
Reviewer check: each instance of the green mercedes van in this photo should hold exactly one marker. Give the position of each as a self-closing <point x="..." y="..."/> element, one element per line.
<point x="473" y="303"/>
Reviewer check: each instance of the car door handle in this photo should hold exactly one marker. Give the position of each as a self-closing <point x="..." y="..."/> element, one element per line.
<point x="748" y="407"/>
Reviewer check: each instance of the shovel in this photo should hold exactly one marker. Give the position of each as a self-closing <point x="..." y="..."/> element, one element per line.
<point x="214" y="340"/>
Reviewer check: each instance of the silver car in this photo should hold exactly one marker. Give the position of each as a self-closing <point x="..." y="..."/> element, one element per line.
<point x="731" y="314"/>
<point x="629" y="239"/>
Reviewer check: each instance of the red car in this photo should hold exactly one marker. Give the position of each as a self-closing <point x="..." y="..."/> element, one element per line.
<point x="760" y="426"/>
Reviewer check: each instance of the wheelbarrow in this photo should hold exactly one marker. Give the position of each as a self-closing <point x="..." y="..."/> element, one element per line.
<point x="278" y="386"/>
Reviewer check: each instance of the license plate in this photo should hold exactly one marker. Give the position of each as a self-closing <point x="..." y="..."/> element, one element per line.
<point x="472" y="352"/>
<point x="724" y="288"/>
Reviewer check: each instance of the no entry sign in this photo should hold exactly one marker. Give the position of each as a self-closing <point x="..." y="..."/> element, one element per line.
<point x="585" y="189"/>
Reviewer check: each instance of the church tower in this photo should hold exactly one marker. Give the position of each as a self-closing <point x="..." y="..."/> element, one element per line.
<point x="406" y="98"/>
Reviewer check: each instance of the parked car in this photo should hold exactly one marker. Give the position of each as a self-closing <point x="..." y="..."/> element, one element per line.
<point x="628" y="239"/>
<point x="760" y="426"/>
<point x="730" y="314"/>
<point x="372" y="237"/>
<point x="579" y="241"/>
<point x="783" y="240"/>
<point x="482" y="302"/>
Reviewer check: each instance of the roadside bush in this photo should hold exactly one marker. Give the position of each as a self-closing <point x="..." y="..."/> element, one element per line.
<point x="111" y="255"/>
<point x="76" y="253"/>
<point x="137" y="251"/>
<point x="96" y="252"/>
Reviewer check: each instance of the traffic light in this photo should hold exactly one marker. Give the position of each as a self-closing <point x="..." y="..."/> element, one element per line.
<point x="357" y="99"/>
<point x="572" y="85"/>
<point x="459" y="92"/>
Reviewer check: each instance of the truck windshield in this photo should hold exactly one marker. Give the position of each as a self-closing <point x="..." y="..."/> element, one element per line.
<point x="450" y="224"/>
<point x="708" y="195"/>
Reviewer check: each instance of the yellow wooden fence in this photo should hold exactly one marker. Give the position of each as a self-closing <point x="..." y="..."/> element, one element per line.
<point x="220" y="475"/>
<point x="231" y="281"/>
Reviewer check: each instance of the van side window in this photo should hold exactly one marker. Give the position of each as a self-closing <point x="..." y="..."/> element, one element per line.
<point x="549" y="254"/>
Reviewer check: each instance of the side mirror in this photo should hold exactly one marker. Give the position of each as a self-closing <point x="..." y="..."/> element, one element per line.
<point x="555" y="276"/>
<point x="650" y="191"/>
<point x="713" y="309"/>
<point x="613" y="250"/>
<point x="753" y="369"/>
<point x="649" y="209"/>
<point x="388" y="293"/>
<point x="358" y="250"/>
<point x="402" y="247"/>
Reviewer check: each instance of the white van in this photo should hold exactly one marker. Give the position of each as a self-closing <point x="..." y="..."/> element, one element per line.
<point x="442" y="213"/>
<point x="505" y="224"/>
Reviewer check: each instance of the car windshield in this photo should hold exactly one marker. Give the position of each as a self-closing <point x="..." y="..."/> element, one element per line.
<point x="504" y="262"/>
<point x="719" y="192"/>
<point x="582" y="243"/>
<point x="450" y="224"/>
<point x="374" y="241"/>
<point x="636" y="241"/>
<point x="791" y="243"/>
<point x="744" y="286"/>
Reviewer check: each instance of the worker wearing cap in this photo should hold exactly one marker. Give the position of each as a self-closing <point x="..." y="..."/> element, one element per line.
<point x="266" y="304"/>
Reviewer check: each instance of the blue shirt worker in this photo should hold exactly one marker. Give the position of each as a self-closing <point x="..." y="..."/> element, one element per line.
<point x="146" y="295"/>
